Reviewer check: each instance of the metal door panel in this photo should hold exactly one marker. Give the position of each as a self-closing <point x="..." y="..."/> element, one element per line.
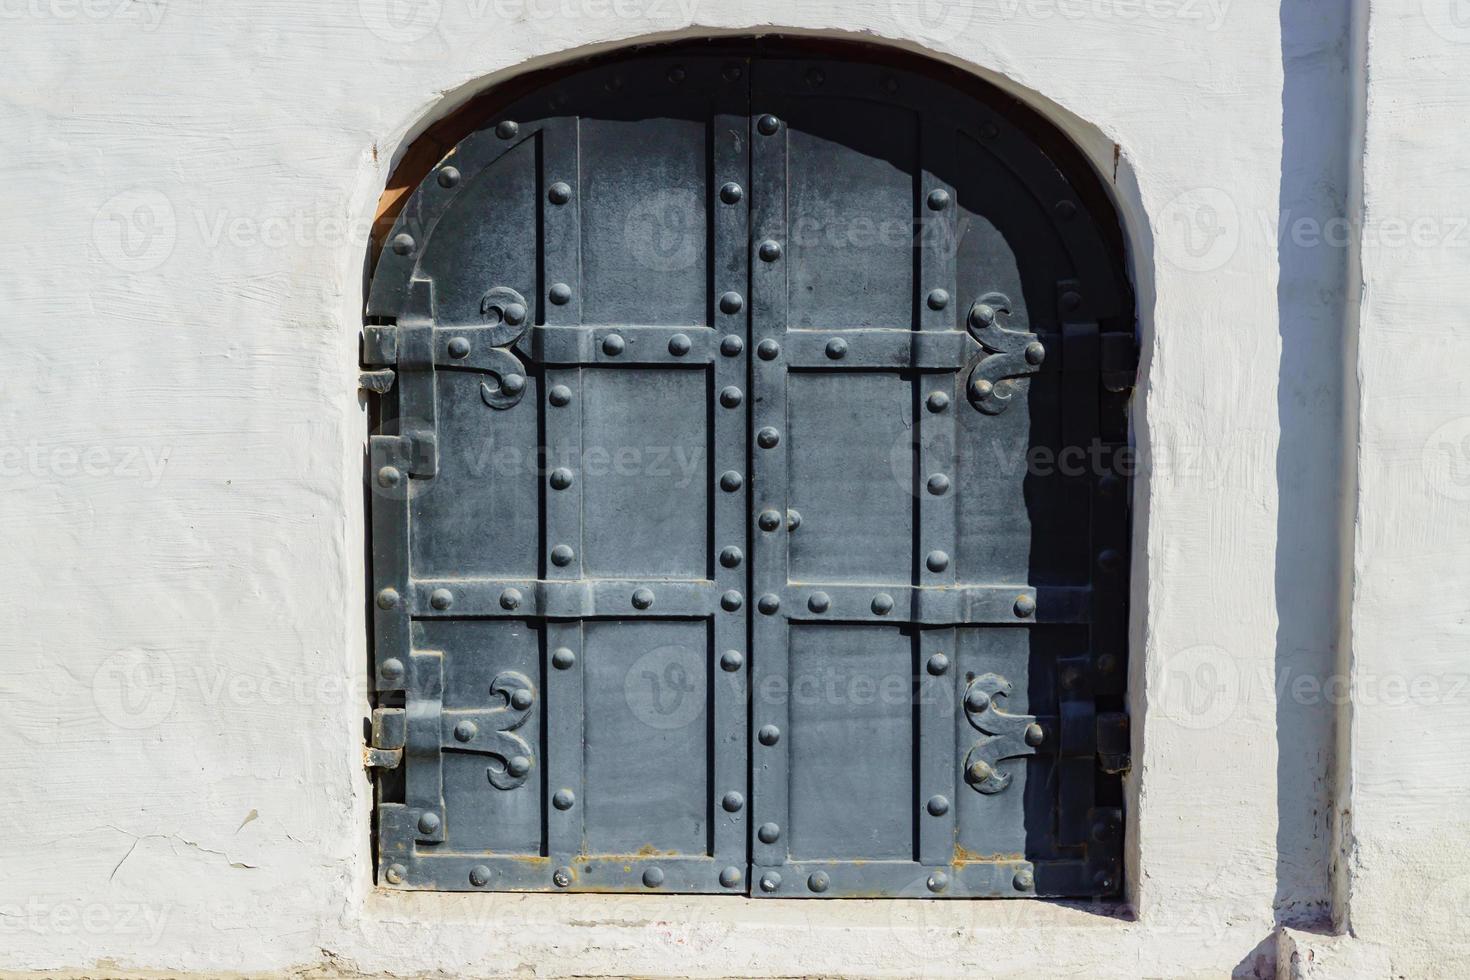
<point x="647" y="737"/>
<point x="851" y="473"/>
<point x="851" y="743"/>
<point x="645" y="434"/>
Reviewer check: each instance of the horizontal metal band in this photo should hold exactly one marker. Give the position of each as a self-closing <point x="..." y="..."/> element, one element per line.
<point x="581" y="873"/>
<point x="572" y="599"/>
<point x="934" y="350"/>
<point x="909" y="879"/>
<point x="935" y="605"/>
<point x="622" y="344"/>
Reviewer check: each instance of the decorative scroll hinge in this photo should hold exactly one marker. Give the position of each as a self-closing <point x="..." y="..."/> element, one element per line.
<point x="1011" y="355"/>
<point x="390" y="730"/>
<point x="417" y="342"/>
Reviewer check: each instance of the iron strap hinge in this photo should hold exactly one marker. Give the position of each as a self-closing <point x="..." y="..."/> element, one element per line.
<point x="390" y="730"/>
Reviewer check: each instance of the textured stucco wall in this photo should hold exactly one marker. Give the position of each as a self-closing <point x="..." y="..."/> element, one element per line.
<point x="187" y="194"/>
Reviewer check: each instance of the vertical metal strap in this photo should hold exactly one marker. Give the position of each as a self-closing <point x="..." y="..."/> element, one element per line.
<point x="560" y="303"/>
<point x="937" y="399"/>
<point x="730" y="318"/>
<point x="770" y="640"/>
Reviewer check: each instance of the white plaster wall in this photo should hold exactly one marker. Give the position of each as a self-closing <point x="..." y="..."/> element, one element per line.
<point x="185" y="205"/>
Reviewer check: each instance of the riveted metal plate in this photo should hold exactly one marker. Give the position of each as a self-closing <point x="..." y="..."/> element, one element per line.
<point x="729" y="528"/>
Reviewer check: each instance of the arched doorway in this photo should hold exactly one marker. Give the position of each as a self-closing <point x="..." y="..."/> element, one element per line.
<point x="747" y="509"/>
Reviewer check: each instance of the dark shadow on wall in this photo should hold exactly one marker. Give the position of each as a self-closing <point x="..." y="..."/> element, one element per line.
<point x="1312" y="248"/>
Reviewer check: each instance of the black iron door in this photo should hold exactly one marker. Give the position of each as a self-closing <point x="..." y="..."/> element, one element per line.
<point x="745" y="512"/>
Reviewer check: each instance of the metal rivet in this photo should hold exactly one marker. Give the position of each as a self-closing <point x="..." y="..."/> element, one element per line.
<point x="938" y="299"/>
<point x="982" y="315"/>
<point x="612" y="345"/>
<point x="937" y="664"/>
<point x="510" y="599"/>
<point x="1035" y="734"/>
<point x="938" y="199"/>
<point x="890" y="84"/>
<point x="403" y="243"/>
<point x="836" y="348"/>
<point x="936" y="561"/>
<point x="938" y="484"/>
<point x="642" y="598"/>
<point x="479" y="876"/>
<point x="731" y="557"/>
<point x="1035" y="353"/>
<point x="562" y="658"/>
<point x="562" y="555"/>
<point x="653" y="877"/>
<point x="1109" y="560"/>
<point x="1104" y="881"/>
<point x="989" y="130"/>
<point x="769" y="603"/>
<point x="731" y="661"/>
<point x="981" y="388"/>
<point x="731" y="302"/>
<point x="562" y="877"/>
<point x="937" y="806"/>
<point x="882" y="604"/>
<point x="731" y="601"/>
<point x="770" y="881"/>
<point x="730" y="397"/>
<point x="395" y="873"/>
<point x="937" y="401"/>
<point x="559" y="293"/>
<point x="731" y="193"/>
<point x="767" y="438"/>
<point x="512" y="384"/>
<point x="815" y="77"/>
<point x="1065" y="210"/>
<point x="506" y="129"/>
<point x="428" y="823"/>
<point x="518" y="765"/>
<point x="392" y="669"/>
<point x="819" y="602"/>
<point x="515" y="314"/>
<point x="768" y="124"/>
<point x="769" y="735"/>
<point x="676" y="74"/>
<point x="1070" y="301"/>
<point x="561" y="478"/>
<point x="768" y="350"/>
<point x="441" y="598"/>
<point x="937" y="882"/>
<point x="793" y="519"/>
<point x="731" y="345"/>
<point x="679" y="344"/>
<point x="389" y="476"/>
<point x="559" y="395"/>
<point x="387" y="599"/>
<point x="980" y="771"/>
<point x="770" y="250"/>
<point x="819" y="881"/>
<point x="448" y="176"/>
<point x="1023" y="881"/>
<point x="732" y="73"/>
<point x="976" y="700"/>
<point x="559" y="193"/>
<point x="459" y="347"/>
<point x="769" y="520"/>
<point x="730" y="481"/>
<point x="732" y="802"/>
<point x="769" y="833"/>
<point x="1025" y="605"/>
<point x="521" y="700"/>
<point x="730" y="877"/>
<point x="563" y="799"/>
<point x="1107" y="663"/>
